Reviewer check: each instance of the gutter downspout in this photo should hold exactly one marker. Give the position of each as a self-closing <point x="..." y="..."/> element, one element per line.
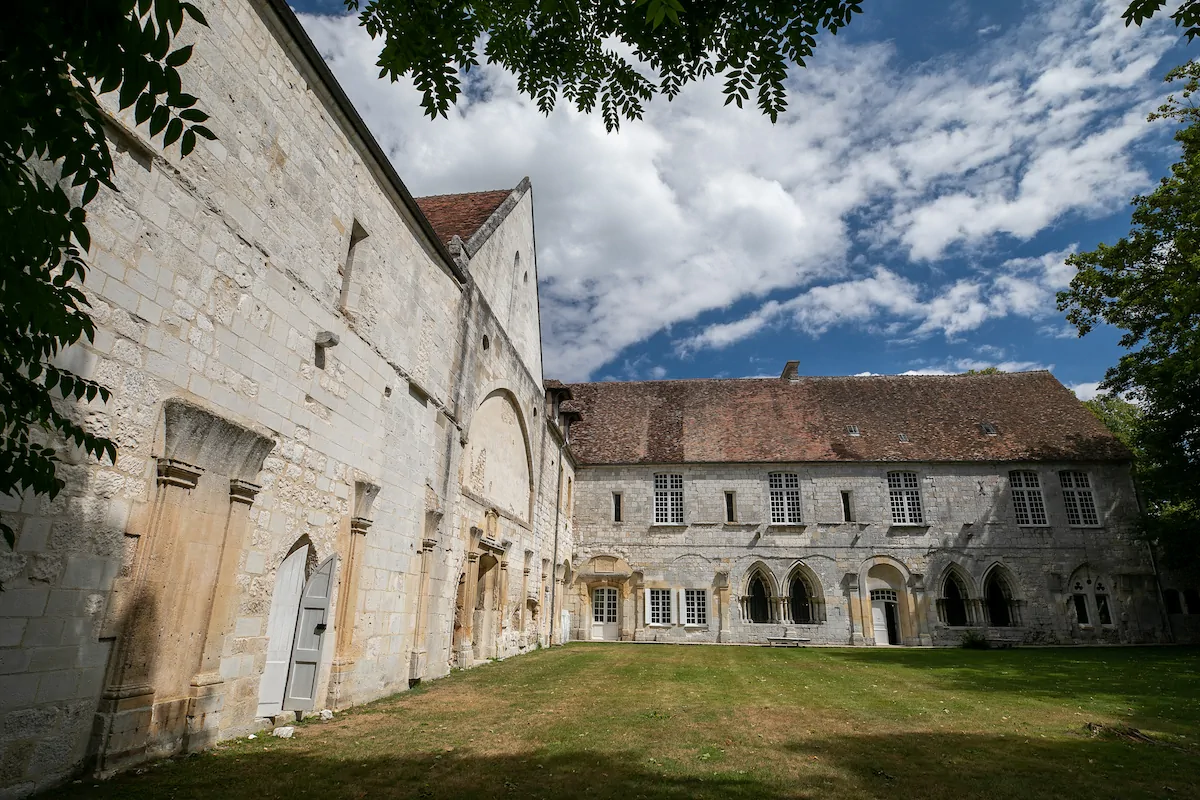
<point x="554" y="565"/>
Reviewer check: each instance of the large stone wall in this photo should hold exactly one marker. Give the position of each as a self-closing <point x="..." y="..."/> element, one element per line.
<point x="969" y="525"/>
<point x="213" y="279"/>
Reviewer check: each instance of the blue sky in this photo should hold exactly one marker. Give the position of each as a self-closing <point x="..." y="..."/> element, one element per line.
<point x="910" y="212"/>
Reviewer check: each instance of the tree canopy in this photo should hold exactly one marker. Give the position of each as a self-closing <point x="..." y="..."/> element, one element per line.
<point x="56" y="56"/>
<point x="1148" y="285"/>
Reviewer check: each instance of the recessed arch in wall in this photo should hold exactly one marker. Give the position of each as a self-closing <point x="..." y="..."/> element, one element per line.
<point x="497" y="465"/>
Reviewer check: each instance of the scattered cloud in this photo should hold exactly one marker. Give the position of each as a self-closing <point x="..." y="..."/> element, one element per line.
<point x="1086" y="391"/>
<point x="877" y="200"/>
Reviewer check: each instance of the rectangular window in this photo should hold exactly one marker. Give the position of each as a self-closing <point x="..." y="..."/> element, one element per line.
<point x="1027" y="497"/>
<point x="604" y="605"/>
<point x="660" y="606"/>
<point x="731" y="506"/>
<point x="847" y="508"/>
<point x="1078" y="499"/>
<point x="617" y="510"/>
<point x="1102" y="612"/>
<point x="695" y="606"/>
<point x="904" y="492"/>
<point x="668" y="499"/>
<point x="1081" y="610"/>
<point x="785" y="498"/>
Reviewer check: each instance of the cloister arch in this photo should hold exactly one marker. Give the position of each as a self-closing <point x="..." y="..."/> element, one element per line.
<point x="804" y="602"/>
<point x="759" y="592"/>
<point x="887" y="606"/>
<point x="1001" y="604"/>
<point x="955" y="603"/>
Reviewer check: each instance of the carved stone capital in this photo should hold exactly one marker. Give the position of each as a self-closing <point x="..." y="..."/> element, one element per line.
<point x="243" y="491"/>
<point x="428" y="544"/>
<point x="177" y="473"/>
<point x="472" y="557"/>
<point x="526" y="571"/>
<point x="360" y="525"/>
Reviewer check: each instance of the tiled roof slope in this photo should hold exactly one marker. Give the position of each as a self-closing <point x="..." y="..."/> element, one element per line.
<point x="768" y="419"/>
<point x="460" y="214"/>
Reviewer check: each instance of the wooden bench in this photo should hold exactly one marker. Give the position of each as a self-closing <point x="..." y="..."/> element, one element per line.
<point x="786" y="641"/>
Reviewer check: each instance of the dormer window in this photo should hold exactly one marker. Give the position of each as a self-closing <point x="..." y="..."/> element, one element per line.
<point x="989" y="428"/>
<point x="903" y="438"/>
<point x="853" y="430"/>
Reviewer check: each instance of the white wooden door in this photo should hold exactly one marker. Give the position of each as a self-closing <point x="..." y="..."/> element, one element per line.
<point x="879" y="600"/>
<point x="281" y="630"/>
<point x="310" y="636"/>
<point x="604" y="613"/>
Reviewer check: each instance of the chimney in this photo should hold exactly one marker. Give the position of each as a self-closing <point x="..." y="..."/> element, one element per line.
<point x="789" y="372"/>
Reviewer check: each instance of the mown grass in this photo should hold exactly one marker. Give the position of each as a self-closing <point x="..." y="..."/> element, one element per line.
<point x="667" y="723"/>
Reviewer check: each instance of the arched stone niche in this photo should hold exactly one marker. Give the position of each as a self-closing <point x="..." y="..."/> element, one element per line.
<point x="496" y="464"/>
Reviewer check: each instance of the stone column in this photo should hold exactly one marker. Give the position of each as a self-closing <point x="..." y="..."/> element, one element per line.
<point x="207" y="695"/>
<point x="466" y="647"/>
<point x="420" y="656"/>
<point x="347" y="608"/>
<point x="920" y="610"/>
<point x="524" y="597"/>
<point x="854" y="609"/>
<point x="123" y="718"/>
<point x="724" y="611"/>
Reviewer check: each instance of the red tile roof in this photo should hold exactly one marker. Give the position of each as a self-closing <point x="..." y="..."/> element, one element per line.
<point x="769" y="420"/>
<point x="460" y="214"/>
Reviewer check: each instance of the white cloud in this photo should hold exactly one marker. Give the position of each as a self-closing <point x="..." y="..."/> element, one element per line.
<point x="1086" y="391"/>
<point x="700" y="205"/>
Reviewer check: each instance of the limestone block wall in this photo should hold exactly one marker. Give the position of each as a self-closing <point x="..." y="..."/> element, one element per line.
<point x="969" y="525"/>
<point x="505" y="270"/>
<point x="211" y="279"/>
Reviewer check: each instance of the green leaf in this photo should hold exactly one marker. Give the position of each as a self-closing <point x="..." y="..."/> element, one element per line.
<point x="174" y="129"/>
<point x="179" y="57"/>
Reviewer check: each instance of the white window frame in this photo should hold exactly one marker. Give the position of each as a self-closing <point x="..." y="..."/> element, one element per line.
<point x="784" y="493"/>
<point x="668" y="498"/>
<point x="1029" y="505"/>
<point x="904" y="498"/>
<point x="601" y="616"/>
<point x="654" y="609"/>
<point x="694" y="603"/>
<point x="1079" y="499"/>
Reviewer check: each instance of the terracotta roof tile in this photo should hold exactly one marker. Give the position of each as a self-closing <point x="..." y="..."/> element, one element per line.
<point x="460" y="214"/>
<point x="768" y="420"/>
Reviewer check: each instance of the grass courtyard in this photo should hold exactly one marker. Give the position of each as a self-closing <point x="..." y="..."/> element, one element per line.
<point x="668" y="722"/>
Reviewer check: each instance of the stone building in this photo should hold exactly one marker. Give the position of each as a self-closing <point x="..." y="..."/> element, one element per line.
<point x="335" y="476"/>
<point x="340" y="470"/>
<point x="855" y="511"/>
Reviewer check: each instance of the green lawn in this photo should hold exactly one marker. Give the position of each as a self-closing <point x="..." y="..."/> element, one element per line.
<point x="627" y="721"/>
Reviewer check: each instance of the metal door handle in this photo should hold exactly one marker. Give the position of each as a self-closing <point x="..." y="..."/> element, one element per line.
<point x="320" y="627"/>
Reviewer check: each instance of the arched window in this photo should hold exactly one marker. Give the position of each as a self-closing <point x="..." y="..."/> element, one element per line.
<point x="760" y="603"/>
<point x="801" y="600"/>
<point x="954" y="601"/>
<point x="998" y="599"/>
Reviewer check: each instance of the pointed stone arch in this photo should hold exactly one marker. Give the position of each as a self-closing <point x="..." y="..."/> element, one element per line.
<point x="1000" y="600"/>
<point x="497" y="463"/>
<point x="760" y="593"/>
<point x="804" y="601"/>
<point x="956" y="598"/>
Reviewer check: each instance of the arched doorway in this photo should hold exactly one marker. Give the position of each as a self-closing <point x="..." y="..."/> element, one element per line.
<point x="998" y="600"/>
<point x="954" y="600"/>
<point x="760" y="599"/>
<point x="889" y="603"/>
